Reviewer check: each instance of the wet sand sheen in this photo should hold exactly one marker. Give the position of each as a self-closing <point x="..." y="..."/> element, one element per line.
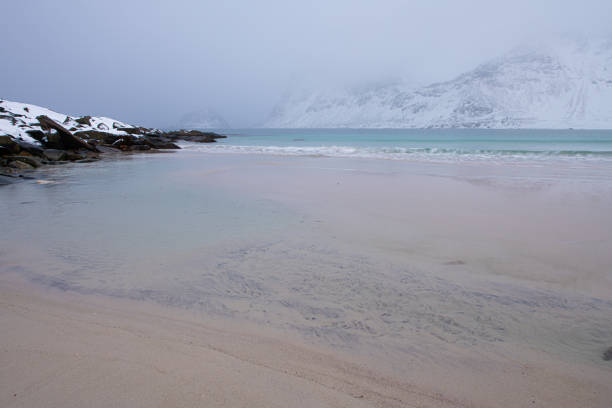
<point x="68" y="350"/>
<point x="485" y="291"/>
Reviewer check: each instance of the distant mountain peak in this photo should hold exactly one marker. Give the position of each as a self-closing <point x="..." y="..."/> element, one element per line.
<point x="545" y="84"/>
<point x="203" y="119"/>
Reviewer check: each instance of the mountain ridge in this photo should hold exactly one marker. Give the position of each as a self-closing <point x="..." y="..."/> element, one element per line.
<point x="563" y="85"/>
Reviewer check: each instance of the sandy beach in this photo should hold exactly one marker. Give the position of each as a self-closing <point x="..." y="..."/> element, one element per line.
<point x="71" y="350"/>
<point x="358" y="286"/>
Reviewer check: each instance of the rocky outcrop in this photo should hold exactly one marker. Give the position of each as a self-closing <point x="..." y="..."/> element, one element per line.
<point x="33" y="139"/>
<point x="67" y="139"/>
<point x="194" y="136"/>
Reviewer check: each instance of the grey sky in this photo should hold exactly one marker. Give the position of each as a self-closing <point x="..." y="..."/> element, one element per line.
<point x="148" y="62"/>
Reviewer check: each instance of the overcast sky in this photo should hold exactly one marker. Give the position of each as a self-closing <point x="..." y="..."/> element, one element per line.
<point x="148" y="62"/>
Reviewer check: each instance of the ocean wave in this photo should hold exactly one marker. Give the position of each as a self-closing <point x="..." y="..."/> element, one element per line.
<point x="405" y="153"/>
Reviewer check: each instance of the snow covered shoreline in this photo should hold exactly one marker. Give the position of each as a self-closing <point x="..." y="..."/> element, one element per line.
<point x="31" y="136"/>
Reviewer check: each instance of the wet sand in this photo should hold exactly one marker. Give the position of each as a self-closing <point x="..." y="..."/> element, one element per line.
<point x="409" y="285"/>
<point x="71" y="350"/>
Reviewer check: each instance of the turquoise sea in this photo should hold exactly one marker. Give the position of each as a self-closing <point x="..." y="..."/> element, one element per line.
<point x="424" y="144"/>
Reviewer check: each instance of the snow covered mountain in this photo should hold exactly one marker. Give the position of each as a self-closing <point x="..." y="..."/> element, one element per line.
<point x="203" y="119"/>
<point x="564" y="85"/>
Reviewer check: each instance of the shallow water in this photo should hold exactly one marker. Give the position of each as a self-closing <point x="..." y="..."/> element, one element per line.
<point x="414" y="260"/>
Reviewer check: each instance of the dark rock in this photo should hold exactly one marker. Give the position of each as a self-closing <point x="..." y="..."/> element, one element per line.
<point x="105" y="137"/>
<point x="102" y="126"/>
<point x="30" y="148"/>
<point x="159" y="142"/>
<point x="85" y="120"/>
<point x="68" y="139"/>
<point x="53" y="141"/>
<point x="21" y="165"/>
<point x="36" y="134"/>
<point x="9" y="146"/>
<point x="135" y="130"/>
<point x="54" y="154"/>
<point x="76" y="155"/>
<point x="92" y="134"/>
<point x="193" y="136"/>
<point x="607" y="355"/>
<point x="25" y="159"/>
<point x="108" y="149"/>
<point x="139" y="147"/>
<point x="89" y="160"/>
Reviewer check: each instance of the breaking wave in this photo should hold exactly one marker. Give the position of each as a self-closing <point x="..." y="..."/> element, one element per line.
<point x="404" y="153"/>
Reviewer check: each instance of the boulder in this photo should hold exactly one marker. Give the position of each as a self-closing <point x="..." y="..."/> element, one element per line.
<point x="157" y="142"/>
<point x="75" y="155"/>
<point x="105" y="137"/>
<point x="53" y="140"/>
<point x="85" y="120"/>
<point x="134" y="130"/>
<point x="30" y="148"/>
<point x="36" y="134"/>
<point x="18" y="164"/>
<point x="607" y="355"/>
<point x="31" y="161"/>
<point x="139" y="147"/>
<point x="68" y="139"/>
<point x="8" y="145"/>
<point x="108" y="149"/>
<point x="54" y="154"/>
<point x="193" y="136"/>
